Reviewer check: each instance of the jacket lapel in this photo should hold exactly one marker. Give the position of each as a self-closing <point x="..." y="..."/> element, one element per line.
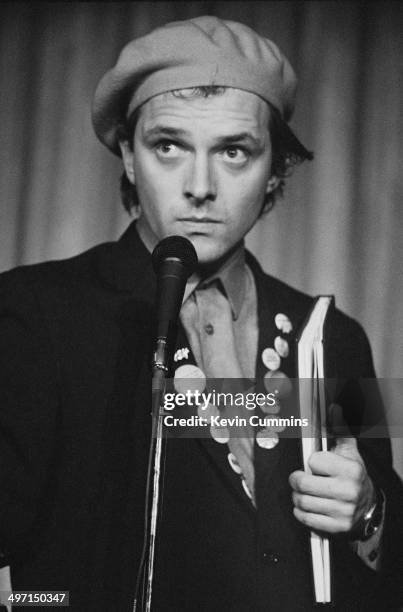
<point x="275" y="298"/>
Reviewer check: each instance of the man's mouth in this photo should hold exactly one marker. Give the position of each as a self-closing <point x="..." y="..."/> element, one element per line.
<point x="199" y="220"/>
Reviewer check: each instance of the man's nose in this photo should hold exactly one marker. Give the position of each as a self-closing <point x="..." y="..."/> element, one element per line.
<point x="200" y="181"/>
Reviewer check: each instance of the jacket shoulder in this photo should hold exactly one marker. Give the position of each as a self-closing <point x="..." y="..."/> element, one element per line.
<point x="78" y="269"/>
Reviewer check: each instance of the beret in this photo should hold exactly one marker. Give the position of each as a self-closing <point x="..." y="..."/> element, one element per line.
<point x="191" y="53"/>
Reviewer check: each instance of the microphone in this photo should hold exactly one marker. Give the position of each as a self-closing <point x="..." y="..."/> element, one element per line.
<point x="174" y="259"/>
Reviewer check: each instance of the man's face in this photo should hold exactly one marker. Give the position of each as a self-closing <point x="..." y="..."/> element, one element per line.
<point x="201" y="167"/>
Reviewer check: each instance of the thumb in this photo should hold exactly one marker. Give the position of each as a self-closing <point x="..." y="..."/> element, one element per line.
<point x="345" y="444"/>
<point x="346" y="447"/>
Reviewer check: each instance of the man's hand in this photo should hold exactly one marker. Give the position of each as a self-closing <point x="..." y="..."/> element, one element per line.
<point x="338" y="492"/>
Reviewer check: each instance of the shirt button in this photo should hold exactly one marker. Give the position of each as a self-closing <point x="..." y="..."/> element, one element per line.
<point x="270" y="558"/>
<point x="209" y="329"/>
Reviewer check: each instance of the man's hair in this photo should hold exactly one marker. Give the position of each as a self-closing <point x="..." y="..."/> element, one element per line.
<point x="287" y="150"/>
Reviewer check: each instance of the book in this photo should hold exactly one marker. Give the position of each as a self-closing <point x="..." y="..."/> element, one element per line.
<point x="312" y="403"/>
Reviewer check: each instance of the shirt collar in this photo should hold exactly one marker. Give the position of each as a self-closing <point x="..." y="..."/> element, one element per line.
<point x="231" y="274"/>
<point x="232" y="277"/>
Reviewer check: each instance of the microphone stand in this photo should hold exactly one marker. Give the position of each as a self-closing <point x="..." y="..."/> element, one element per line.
<point x="158" y="389"/>
<point x="153" y="485"/>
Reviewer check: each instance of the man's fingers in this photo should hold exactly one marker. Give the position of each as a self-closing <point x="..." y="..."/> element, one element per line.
<point x="323" y="486"/>
<point x="331" y="463"/>
<point x="319" y="486"/>
<point x="322" y="523"/>
<point x="322" y="505"/>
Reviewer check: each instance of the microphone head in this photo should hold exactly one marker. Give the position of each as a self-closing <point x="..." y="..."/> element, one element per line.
<point x="175" y="247"/>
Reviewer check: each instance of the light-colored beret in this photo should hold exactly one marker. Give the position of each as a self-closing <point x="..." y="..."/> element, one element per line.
<point x="197" y="52"/>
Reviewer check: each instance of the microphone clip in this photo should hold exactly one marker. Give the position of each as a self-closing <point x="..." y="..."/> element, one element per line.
<point x="160" y="356"/>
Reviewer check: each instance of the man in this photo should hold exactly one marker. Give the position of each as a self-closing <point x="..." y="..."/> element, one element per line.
<point x="197" y="110"/>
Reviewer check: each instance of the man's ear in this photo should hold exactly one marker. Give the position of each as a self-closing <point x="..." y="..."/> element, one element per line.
<point x="127" y="158"/>
<point x="272" y="183"/>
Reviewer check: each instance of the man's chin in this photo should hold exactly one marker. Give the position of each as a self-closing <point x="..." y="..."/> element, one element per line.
<point x="208" y="252"/>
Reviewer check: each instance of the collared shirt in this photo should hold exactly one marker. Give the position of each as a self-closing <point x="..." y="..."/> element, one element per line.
<point x="235" y="280"/>
<point x="219" y="315"/>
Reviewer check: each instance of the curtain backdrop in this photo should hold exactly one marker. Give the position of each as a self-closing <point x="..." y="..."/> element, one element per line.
<point x="339" y="227"/>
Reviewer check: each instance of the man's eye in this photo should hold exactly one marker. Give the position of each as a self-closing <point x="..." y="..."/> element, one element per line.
<point x="236" y="154"/>
<point x="167" y="148"/>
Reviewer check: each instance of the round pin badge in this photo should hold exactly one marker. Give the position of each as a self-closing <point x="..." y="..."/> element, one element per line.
<point x="277" y="428"/>
<point x="281" y="346"/>
<point x="233" y="461"/>
<point x="271" y="359"/>
<point x="271" y="408"/>
<point x="208" y="412"/>
<point x="278" y="383"/>
<point x="283" y="323"/>
<point x="189" y="378"/>
<point x="271" y="431"/>
<point x="266" y="439"/>
<point x="219" y="434"/>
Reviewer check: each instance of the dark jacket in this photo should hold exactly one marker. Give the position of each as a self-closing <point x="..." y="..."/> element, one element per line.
<point x="75" y="342"/>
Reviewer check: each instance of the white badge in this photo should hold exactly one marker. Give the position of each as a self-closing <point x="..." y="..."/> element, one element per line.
<point x="266" y="439"/>
<point x="278" y="383"/>
<point x="182" y="353"/>
<point x="233" y="461"/>
<point x="271" y="359"/>
<point x="283" y="323"/>
<point x="189" y="378"/>
<point x="219" y="434"/>
<point x="208" y="412"/>
<point x="281" y="346"/>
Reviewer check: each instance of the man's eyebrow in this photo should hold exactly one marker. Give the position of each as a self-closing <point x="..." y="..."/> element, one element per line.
<point x="165" y="130"/>
<point x="240" y="137"/>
